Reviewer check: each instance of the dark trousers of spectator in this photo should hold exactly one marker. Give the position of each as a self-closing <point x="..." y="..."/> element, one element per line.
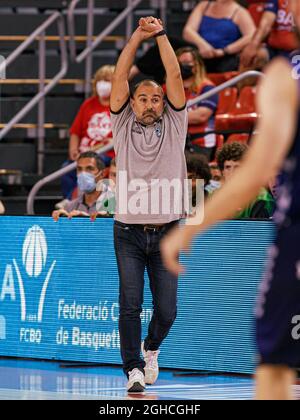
<point x="68" y="181"/>
<point x="136" y="250"/>
<point x="222" y="64"/>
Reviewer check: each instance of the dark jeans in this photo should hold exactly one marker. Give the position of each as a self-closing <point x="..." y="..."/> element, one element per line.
<point x="136" y="250"/>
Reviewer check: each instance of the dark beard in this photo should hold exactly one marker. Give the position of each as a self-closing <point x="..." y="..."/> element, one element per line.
<point x="154" y="119"/>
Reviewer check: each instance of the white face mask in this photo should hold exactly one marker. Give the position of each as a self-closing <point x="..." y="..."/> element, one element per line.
<point x="103" y="89"/>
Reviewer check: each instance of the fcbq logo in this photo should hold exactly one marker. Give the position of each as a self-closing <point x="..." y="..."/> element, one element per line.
<point x="34" y="258"/>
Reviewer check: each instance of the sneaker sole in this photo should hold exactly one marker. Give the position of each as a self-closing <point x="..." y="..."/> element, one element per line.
<point x="136" y="387"/>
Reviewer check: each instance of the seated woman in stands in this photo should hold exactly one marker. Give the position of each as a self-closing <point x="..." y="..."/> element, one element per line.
<point x="91" y="128"/>
<point x="220" y="29"/>
<point x="202" y="115"/>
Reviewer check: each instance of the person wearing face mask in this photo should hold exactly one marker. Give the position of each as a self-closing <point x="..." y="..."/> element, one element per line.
<point x="91" y="128"/>
<point x="216" y="178"/>
<point x="90" y="172"/>
<point x="150" y="63"/>
<point x="201" y="116"/>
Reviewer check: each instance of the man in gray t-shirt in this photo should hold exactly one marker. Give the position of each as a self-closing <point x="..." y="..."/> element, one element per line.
<point x="149" y="135"/>
<point x="90" y="173"/>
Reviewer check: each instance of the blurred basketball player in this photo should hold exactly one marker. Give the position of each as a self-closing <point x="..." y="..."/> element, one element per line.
<point x="276" y="148"/>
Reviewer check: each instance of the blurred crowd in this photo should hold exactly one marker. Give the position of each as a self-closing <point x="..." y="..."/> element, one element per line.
<point x="219" y="36"/>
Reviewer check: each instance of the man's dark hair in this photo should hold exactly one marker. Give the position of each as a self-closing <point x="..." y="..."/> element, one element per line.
<point x="197" y="165"/>
<point x="233" y="151"/>
<point x="145" y="82"/>
<point x="99" y="162"/>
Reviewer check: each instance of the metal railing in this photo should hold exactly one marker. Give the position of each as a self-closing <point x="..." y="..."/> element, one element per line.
<point x="39" y="98"/>
<point x="86" y="54"/>
<point x="54" y="176"/>
<point x="235" y="80"/>
<point x="91" y="44"/>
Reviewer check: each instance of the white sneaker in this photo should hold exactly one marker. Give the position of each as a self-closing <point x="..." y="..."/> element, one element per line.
<point x="136" y="381"/>
<point x="151" y="368"/>
<point x="62" y="204"/>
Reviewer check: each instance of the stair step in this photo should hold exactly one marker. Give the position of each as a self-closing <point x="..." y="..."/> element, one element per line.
<point x="60" y="111"/>
<point x="30" y="134"/>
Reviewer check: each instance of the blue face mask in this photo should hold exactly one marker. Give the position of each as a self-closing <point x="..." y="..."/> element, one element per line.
<point x="86" y="182"/>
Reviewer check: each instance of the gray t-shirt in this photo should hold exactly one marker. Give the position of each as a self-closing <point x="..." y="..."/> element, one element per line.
<point x="150" y="160"/>
<point x="80" y="205"/>
<point x="105" y="202"/>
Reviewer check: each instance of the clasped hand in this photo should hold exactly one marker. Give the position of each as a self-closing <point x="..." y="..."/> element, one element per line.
<point x="149" y="27"/>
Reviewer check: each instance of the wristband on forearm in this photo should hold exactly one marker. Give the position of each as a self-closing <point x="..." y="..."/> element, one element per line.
<point x="161" y="33"/>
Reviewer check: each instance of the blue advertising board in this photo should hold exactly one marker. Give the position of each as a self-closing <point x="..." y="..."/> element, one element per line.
<point x="59" y="294"/>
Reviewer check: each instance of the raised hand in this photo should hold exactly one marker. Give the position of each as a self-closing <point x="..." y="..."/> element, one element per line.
<point x="151" y="24"/>
<point x="148" y="28"/>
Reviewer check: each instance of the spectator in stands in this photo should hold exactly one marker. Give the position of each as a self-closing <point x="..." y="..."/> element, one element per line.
<point x="91" y="128"/>
<point x="220" y="29"/>
<point x="151" y="65"/>
<point x="216" y="177"/>
<point x="216" y="174"/>
<point x="90" y="171"/>
<point x="277" y="23"/>
<point x="229" y="159"/>
<point x="197" y="169"/>
<point x="202" y="115"/>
